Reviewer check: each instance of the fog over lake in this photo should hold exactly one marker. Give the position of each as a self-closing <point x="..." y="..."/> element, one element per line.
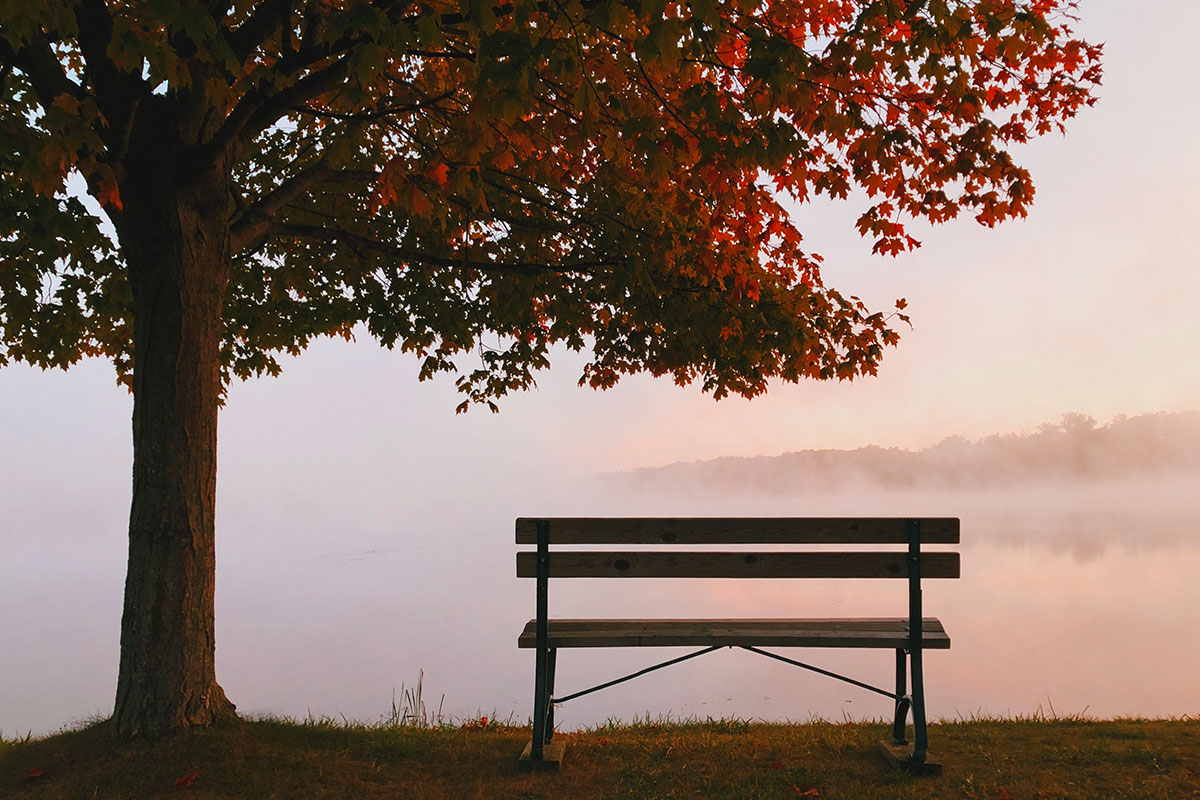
<point x="335" y="586"/>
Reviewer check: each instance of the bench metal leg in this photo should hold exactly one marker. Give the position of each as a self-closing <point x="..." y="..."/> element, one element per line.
<point x="544" y="665"/>
<point x="920" y="739"/>
<point x="543" y="699"/>
<point x="916" y="627"/>
<point x="539" y="702"/>
<point x="896" y="752"/>
<point x="916" y="760"/>
<point x="541" y="753"/>
<point x="902" y="700"/>
<point x="551" y="659"/>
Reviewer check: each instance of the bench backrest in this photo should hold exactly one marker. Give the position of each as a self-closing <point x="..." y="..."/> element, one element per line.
<point x="911" y="562"/>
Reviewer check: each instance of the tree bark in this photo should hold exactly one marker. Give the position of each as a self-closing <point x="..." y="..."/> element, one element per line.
<point x="174" y="233"/>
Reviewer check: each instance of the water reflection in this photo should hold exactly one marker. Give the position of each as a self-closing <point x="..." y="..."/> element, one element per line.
<point x="1078" y="518"/>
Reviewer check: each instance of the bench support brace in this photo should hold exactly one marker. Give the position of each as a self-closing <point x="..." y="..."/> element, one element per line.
<point x="631" y="676"/>
<point x="898" y="698"/>
<point x="818" y="670"/>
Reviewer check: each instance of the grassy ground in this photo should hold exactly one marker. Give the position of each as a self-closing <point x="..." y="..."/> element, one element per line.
<point x="997" y="760"/>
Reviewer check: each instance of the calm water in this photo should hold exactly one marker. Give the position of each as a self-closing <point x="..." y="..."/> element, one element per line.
<point x="1076" y="597"/>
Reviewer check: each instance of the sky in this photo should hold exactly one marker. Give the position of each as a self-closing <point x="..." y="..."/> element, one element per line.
<point x="1088" y="306"/>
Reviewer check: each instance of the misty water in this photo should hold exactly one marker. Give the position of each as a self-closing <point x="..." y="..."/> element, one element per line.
<point x="1075" y="597"/>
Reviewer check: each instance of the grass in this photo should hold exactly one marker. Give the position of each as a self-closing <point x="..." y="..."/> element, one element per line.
<point x="1035" y="757"/>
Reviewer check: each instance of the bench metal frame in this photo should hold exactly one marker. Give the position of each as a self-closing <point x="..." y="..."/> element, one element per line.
<point x="544" y="699"/>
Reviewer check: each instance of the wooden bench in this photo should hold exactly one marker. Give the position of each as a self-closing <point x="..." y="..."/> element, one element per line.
<point x="546" y="636"/>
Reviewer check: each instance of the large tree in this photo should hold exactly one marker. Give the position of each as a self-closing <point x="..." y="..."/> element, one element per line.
<point x="473" y="181"/>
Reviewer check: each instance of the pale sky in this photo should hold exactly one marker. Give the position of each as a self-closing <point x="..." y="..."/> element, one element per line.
<point x="1088" y="306"/>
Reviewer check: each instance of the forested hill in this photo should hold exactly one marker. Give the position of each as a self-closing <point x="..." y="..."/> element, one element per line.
<point x="1074" y="449"/>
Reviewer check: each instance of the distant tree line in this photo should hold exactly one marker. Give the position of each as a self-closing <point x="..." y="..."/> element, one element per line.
<point x="1074" y="448"/>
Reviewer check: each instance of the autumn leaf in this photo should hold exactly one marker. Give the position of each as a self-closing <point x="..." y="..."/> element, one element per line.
<point x="34" y="774"/>
<point x="107" y="192"/>
<point x="504" y="160"/>
<point x="420" y="203"/>
<point x="439" y="173"/>
<point x="186" y="781"/>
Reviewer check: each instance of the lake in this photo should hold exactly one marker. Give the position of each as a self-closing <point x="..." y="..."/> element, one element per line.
<point x="1074" y="598"/>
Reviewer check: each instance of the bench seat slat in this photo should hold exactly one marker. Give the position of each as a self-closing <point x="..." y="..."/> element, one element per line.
<point x="862" y="633"/>
<point x="693" y="564"/>
<point x="737" y="530"/>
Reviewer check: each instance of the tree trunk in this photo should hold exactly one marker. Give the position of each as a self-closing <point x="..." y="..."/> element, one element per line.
<point x="174" y="234"/>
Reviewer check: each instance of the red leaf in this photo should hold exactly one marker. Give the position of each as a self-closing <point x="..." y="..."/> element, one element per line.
<point x="186" y="780"/>
<point x="35" y="773"/>
<point x="420" y="203"/>
<point x="107" y="193"/>
<point x="504" y="160"/>
<point x="440" y="173"/>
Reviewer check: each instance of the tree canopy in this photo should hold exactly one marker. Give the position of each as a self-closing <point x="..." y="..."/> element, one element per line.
<point x="478" y="181"/>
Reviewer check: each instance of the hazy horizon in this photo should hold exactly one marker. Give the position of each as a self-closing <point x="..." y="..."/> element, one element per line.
<point x="1074" y="448"/>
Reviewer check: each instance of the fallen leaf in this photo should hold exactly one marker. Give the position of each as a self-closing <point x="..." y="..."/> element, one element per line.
<point x="34" y="774"/>
<point x="186" y="780"/>
<point x="813" y="792"/>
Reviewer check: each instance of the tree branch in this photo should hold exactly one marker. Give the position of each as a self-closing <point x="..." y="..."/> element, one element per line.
<point x="321" y="234"/>
<point x="267" y="18"/>
<point x="37" y="60"/>
<point x="116" y="92"/>
<point x="219" y="9"/>
<point x="257" y="110"/>
<point x="253" y="224"/>
<point x="311" y="85"/>
<point x="19" y="134"/>
<point x="371" y="115"/>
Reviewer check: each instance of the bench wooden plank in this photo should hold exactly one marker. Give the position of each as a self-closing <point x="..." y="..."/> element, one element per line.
<point x="860" y="633"/>
<point x="653" y="564"/>
<point x="852" y="623"/>
<point x="739" y="530"/>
